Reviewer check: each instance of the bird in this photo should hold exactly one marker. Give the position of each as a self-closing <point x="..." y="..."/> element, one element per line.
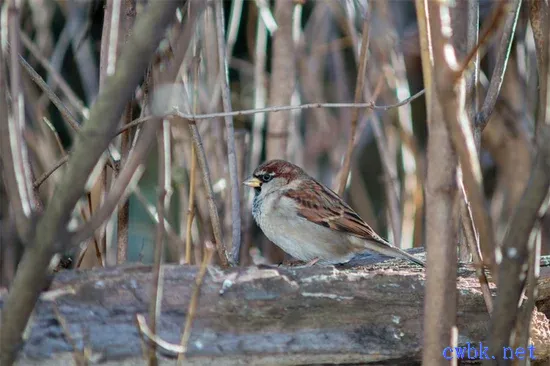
<point x="310" y="221"/>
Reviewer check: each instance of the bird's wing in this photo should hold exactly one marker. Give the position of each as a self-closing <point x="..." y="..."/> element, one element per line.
<point x="316" y="204"/>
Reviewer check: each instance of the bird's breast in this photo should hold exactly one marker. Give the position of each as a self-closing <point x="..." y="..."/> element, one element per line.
<point x="256" y="207"/>
<point x="297" y="236"/>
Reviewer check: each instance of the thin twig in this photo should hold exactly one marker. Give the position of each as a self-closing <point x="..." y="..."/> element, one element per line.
<point x="128" y="9"/>
<point x="467" y="29"/>
<point x="121" y="187"/>
<point x="409" y="161"/>
<point x="260" y="95"/>
<point x="55" y="135"/>
<point x="234" y="23"/>
<point x="89" y="147"/>
<point x="191" y="206"/>
<point x="515" y="252"/>
<point x="79" y="355"/>
<point x="500" y="68"/>
<point x="344" y="173"/>
<point x="207" y="182"/>
<point x="193" y="303"/>
<point x="17" y="161"/>
<point x="123" y="214"/>
<point x="163" y="201"/>
<point x="151" y="211"/>
<point x="230" y="132"/>
<point x="144" y="330"/>
<point x="440" y="201"/>
<point x="539" y="15"/>
<point x="133" y="168"/>
<point x="473" y="245"/>
<point x="71" y="120"/>
<point x="523" y="326"/>
<point x="56" y="77"/>
<point x="267" y="16"/>
<point x="246" y="112"/>
<point x="193" y="168"/>
<point x="451" y="97"/>
<point x="282" y="81"/>
<point x="490" y="27"/>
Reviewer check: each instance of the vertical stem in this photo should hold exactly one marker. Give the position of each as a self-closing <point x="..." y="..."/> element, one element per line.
<point x="472" y="242"/>
<point x="88" y="147"/>
<point x="124" y="209"/>
<point x="344" y="173"/>
<point x="191" y="207"/>
<point x="128" y="10"/>
<point x="523" y="326"/>
<point x="440" y="296"/>
<point x="259" y="95"/>
<point x="163" y="202"/>
<point x="21" y="174"/>
<point x="193" y="303"/>
<point x="283" y="78"/>
<point x="193" y="168"/>
<point x="207" y="181"/>
<point x="231" y="153"/>
<point x="465" y="23"/>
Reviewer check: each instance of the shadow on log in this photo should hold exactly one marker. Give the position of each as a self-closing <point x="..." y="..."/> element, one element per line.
<point x="277" y="316"/>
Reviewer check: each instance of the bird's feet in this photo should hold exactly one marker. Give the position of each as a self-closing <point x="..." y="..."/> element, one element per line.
<point x="300" y="264"/>
<point x="311" y="262"/>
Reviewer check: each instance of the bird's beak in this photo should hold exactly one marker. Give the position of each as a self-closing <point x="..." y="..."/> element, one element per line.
<point x="253" y="182"/>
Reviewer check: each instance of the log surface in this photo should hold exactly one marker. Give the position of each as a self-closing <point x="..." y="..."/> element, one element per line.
<point x="286" y="315"/>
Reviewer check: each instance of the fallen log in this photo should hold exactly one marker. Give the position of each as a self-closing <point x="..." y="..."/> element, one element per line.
<point x="277" y="316"/>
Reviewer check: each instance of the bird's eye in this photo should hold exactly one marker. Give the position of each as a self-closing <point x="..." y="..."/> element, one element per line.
<point x="266" y="177"/>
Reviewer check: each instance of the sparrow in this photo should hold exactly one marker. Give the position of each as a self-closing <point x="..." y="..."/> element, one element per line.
<point x="308" y="220"/>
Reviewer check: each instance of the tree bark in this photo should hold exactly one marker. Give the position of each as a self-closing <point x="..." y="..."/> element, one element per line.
<point x="285" y="315"/>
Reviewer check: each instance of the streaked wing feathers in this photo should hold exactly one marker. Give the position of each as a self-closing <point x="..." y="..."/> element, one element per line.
<point x="317" y="204"/>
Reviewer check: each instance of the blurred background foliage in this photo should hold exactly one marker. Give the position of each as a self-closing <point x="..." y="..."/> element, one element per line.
<point x="68" y="35"/>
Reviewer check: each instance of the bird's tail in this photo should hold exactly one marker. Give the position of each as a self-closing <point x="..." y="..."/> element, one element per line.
<point x="410" y="257"/>
<point x="386" y="248"/>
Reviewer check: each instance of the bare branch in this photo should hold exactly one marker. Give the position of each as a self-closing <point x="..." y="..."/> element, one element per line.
<point x="260" y="53"/>
<point x="193" y="303"/>
<point x="234" y="23"/>
<point x="207" y="181"/>
<point x="246" y="112"/>
<point x="15" y="161"/>
<point x="128" y="9"/>
<point x="514" y="253"/>
<point x="452" y="98"/>
<point x="191" y="117"/>
<point x="193" y="168"/>
<point x="230" y="131"/>
<point x="71" y="120"/>
<point x="441" y="230"/>
<point x="500" y="67"/>
<point x="36" y="184"/>
<point x="135" y="160"/>
<point x="539" y="13"/>
<point x="154" y="338"/>
<point x="473" y="246"/>
<point x="283" y="79"/>
<point x="54" y="74"/>
<point x="490" y="27"/>
<point x="89" y="146"/>
<point x="163" y="202"/>
<point x="523" y="326"/>
<point x="344" y="173"/>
